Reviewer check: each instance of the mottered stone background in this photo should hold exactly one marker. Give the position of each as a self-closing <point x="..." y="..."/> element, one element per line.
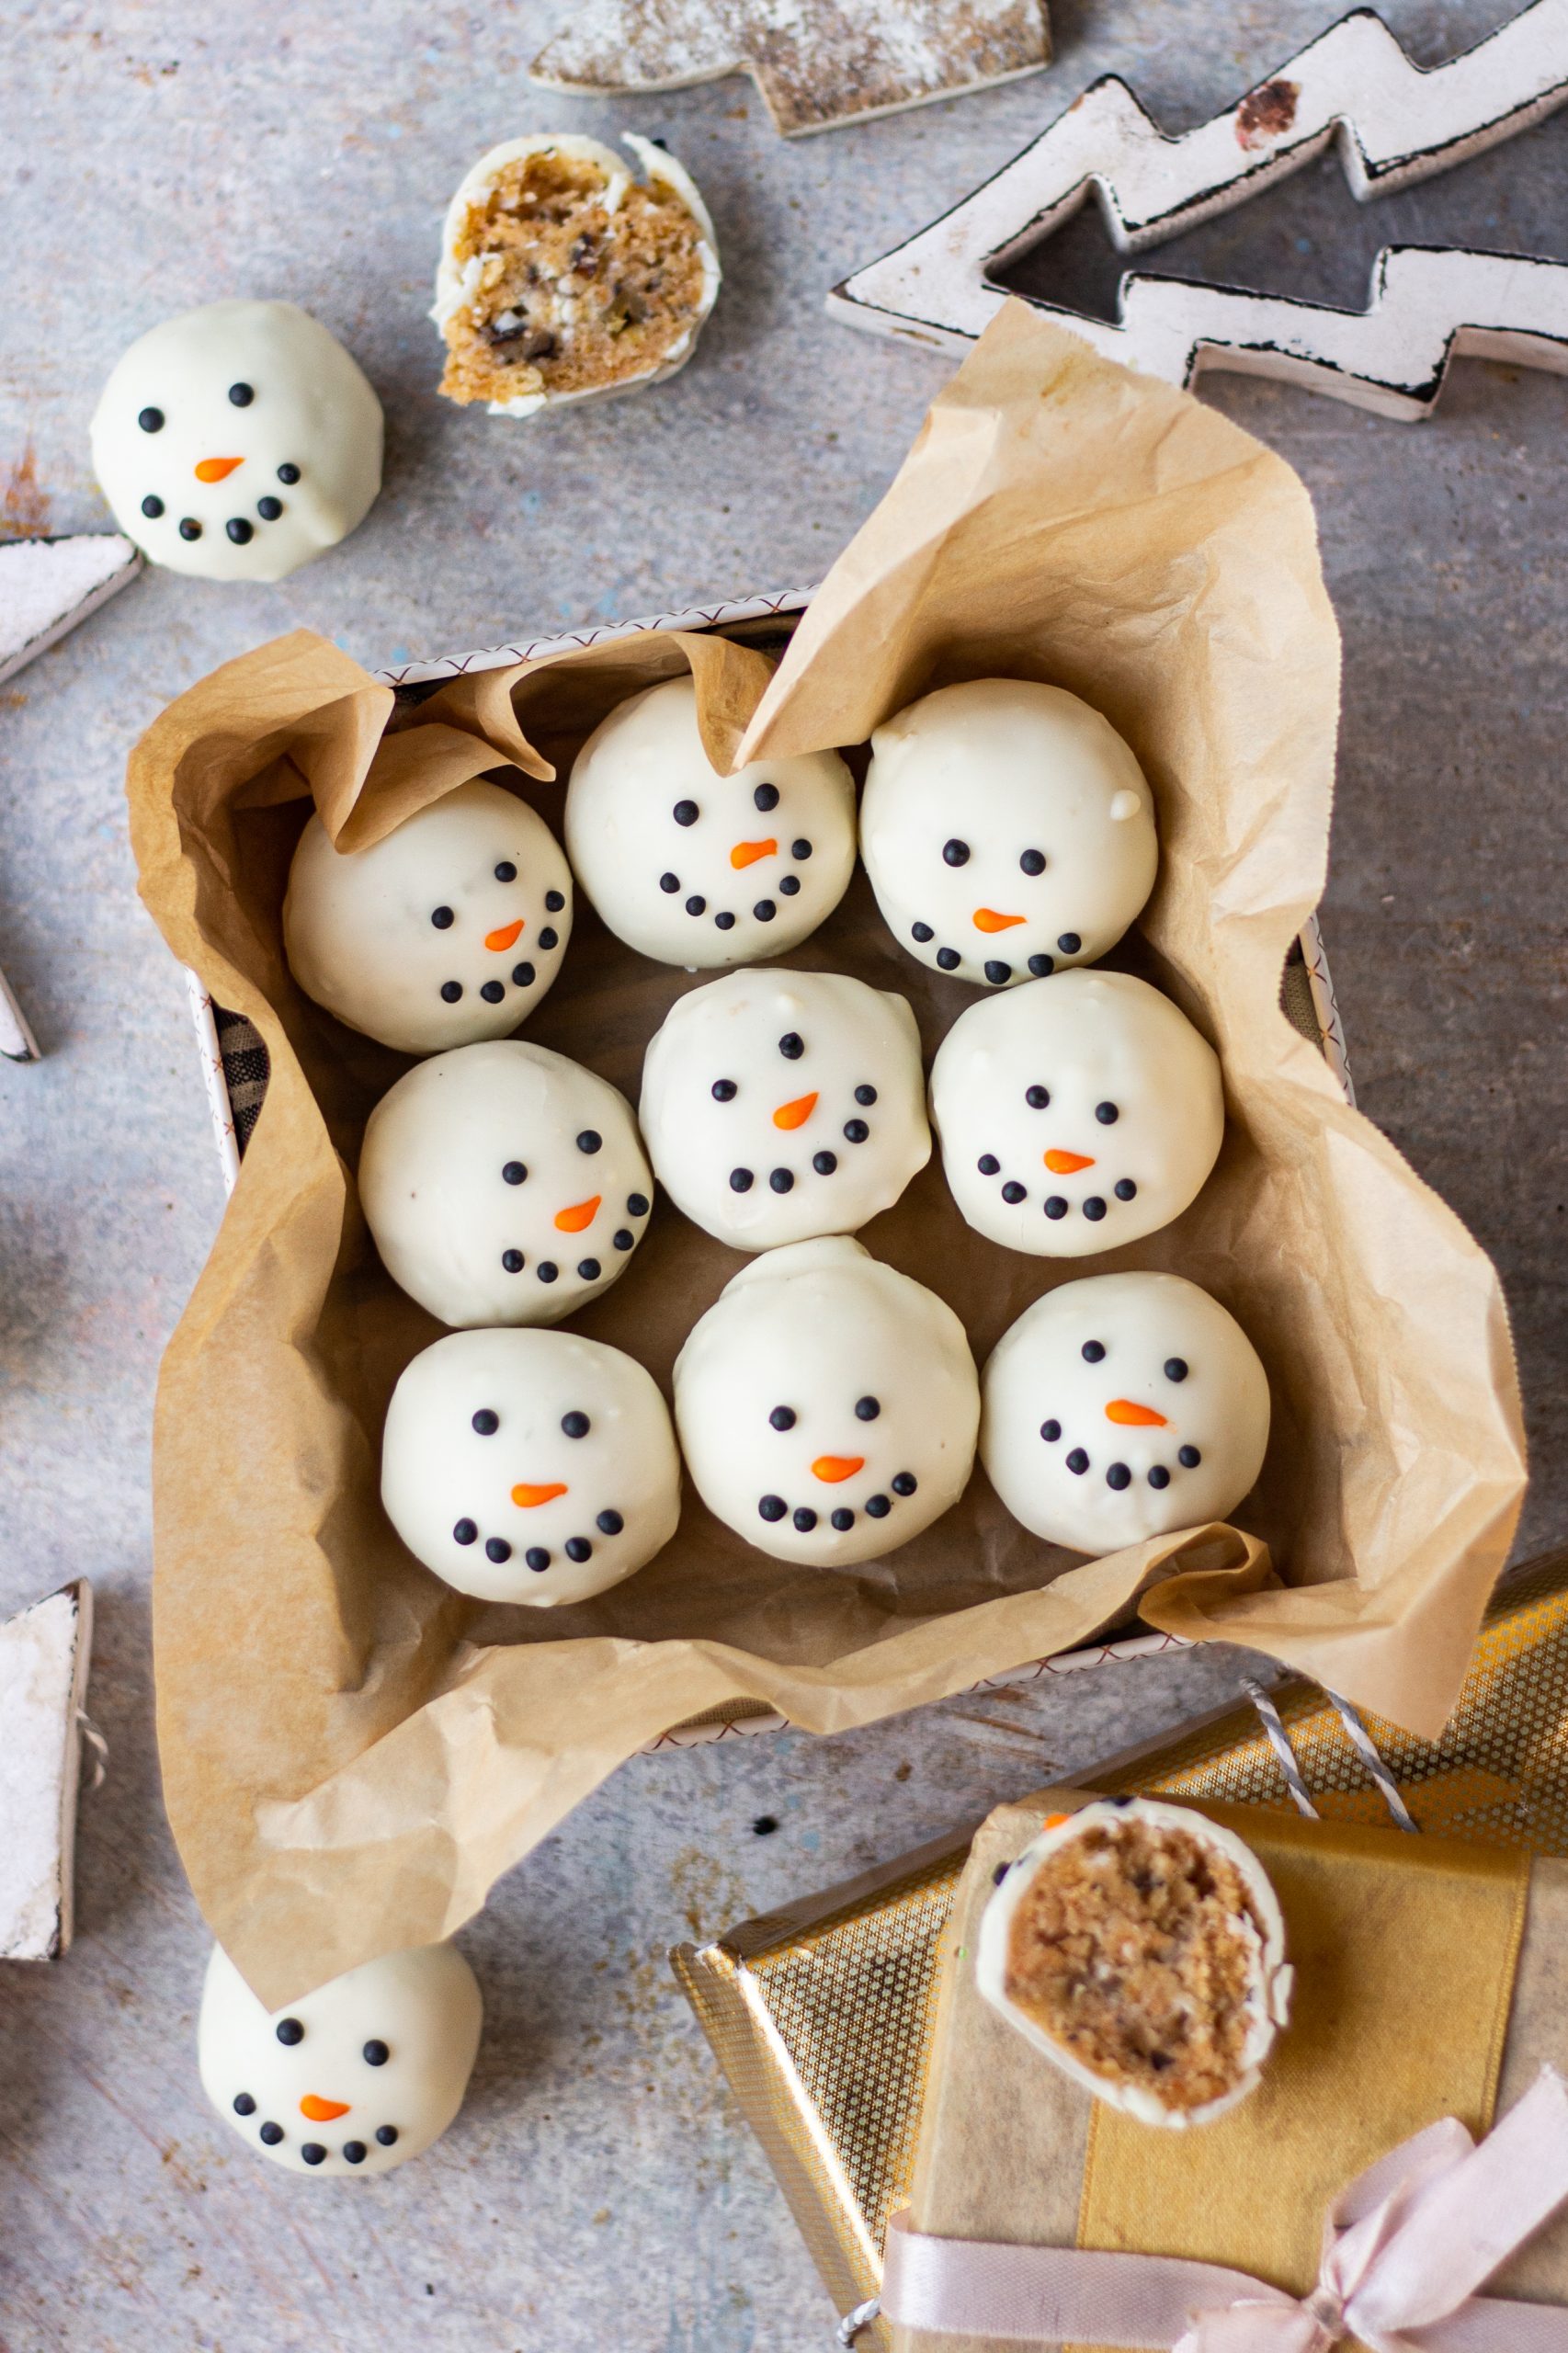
<point x="599" y="2188"/>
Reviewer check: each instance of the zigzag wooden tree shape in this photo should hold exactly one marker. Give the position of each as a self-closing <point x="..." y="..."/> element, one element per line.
<point x="1394" y="123"/>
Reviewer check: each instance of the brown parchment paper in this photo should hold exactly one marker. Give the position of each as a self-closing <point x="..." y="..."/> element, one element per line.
<point x="1430" y="1981"/>
<point x="351" y="1752"/>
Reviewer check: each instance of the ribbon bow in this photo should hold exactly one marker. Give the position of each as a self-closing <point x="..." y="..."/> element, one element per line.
<point x="1405" y="2248"/>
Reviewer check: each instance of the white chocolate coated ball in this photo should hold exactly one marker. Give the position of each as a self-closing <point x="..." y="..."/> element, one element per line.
<point x="503" y="1184"/>
<point x="1075" y="1113"/>
<point x="353" y="2079"/>
<point x="826" y="1404"/>
<point x="695" y="868"/>
<point x="451" y="928"/>
<point x="536" y="1467"/>
<point x="1123" y="1407"/>
<point x="1007" y="831"/>
<point x="237" y="441"/>
<point x="780" y="1105"/>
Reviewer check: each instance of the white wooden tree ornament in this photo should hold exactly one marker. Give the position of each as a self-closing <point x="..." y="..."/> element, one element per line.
<point x="46" y="587"/>
<point x="43" y="1684"/>
<point x="1396" y="123"/>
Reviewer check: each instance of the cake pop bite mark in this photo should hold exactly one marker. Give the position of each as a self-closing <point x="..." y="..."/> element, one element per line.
<point x="206" y="417"/>
<point x="585" y="1422"/>
<point x="470" y="1177"/>
<point x="1021" y="1082"/>
<point x="400" y="940"/>
<point x="1098" y="1352"/>
<point x="780" y="1105"/>
<point x="376" y="2060"/>
<point x="668" y="851"/>
<point x="1058" y="854"/>
<point x="823" y="1321"/>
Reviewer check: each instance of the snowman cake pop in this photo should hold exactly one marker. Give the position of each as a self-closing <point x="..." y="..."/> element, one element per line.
<point x="238" y="441"/>
<point x="1120" y="1407"/>
<point x="778" y="1105"/>
<point x="536" y="1467"/>
<point x="353" y="2079"/>
<point x="697" y="868"/>
<point x="503" y="1184"/>
<point x="1007" y="830"/>
<point x="451" y="928"/>
<point x="1075" y="1113"/>
<point x="826" y="1404"/>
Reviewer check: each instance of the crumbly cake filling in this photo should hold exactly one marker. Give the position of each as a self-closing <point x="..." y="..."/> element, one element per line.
<point x="1135" y="1948"/>
<point x="560" y="294"/>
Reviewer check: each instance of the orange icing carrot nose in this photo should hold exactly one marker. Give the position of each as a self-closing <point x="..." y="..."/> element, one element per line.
<point x="987" y="919"/>
<point x="747" y="853"/>
<point x="1067" y="1163"/>
<point x="503" y="938"/>
<point x="1137" y="1418"/>
<point x="580" y="1214"/>
<point x="322" y="2111"/>
<point x="834" y="1466"/>
<point x="216" y="469"/>
<point x="795" y="1114"/>
<point x="526" y="1498"/>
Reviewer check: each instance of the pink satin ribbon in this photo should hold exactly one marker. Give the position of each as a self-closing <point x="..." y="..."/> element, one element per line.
<point x="1405" y="2247"/>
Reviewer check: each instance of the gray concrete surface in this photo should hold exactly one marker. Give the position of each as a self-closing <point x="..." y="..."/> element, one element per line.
<point x="599" y="2189"/>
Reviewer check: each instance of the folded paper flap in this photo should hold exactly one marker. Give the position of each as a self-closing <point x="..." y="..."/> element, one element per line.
<point x="1405" y="1953"/>
<point x="357" y="1771"/>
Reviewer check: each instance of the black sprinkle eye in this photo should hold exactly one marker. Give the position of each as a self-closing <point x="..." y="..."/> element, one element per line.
<point x="269" y="509"/>
<point x="487" y="1421"/>
<point x="1106" y="1114"/>
<point x="190" y="527"/>
<point x="505" y="871"/>
<point x="443" y="918"/>
<point x="866" y="1095"/>
<point x="1037" y="1098"/>
<point x="575" y="1425"/>
<point x="867" y="1408"/>
<point x="1175" y="1369"/>
<point x="241" y="394"/>
<point x="152" y="507"/>
<point x="685" y="812"/>
<point x="290" y="2031"/>
<point x="956" y="853"/>
<point x="375" y="2053"/>
<point x="791" y="1046"/>
<point x="239" y="530"/>
<point x="782" y="1418"/>
<point x="1033" y="861"/>
<point x="151" y="420"/>
<point x="1093" y="1351"/>
<point x="515" y="1173"/>
<point x="590" y="1140"/>
<point x="287" y="473"/>
<point x="725" y="1090"/>
<point x="766" y="797"/>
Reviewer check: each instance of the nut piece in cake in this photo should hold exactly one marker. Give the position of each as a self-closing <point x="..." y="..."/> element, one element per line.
<point x="1141" y="1948"/>
<point x="562" y="276"/>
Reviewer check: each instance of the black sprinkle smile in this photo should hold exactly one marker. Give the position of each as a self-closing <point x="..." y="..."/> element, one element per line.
<point x="994" y="969"/>
<point x="686" y="812"/>
<point x="1094" y="1206"/>
<point x="574" y="1423"/>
